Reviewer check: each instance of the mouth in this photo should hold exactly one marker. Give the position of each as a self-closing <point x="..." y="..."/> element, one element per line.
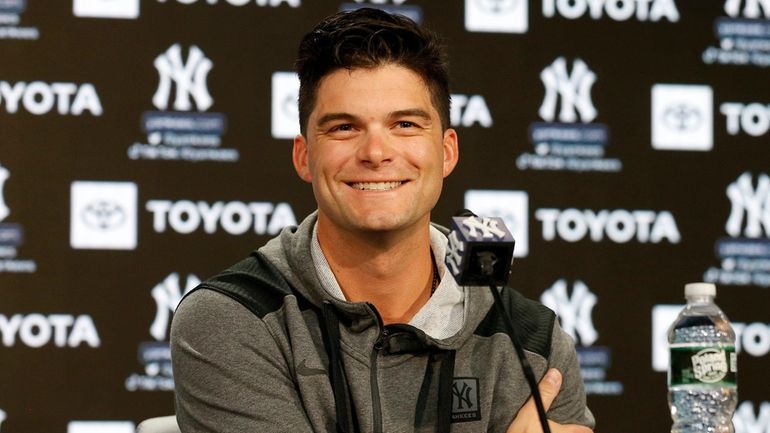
<point x="376" y="186"/>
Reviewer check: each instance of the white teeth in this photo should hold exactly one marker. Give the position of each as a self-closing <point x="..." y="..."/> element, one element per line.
<point x="375" y="186"/>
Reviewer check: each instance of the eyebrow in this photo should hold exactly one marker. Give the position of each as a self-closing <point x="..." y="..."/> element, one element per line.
<point x="331" y="117"/>
<point x="417" y="112"/>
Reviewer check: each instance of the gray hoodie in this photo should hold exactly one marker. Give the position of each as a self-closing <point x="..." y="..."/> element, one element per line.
<point x="262" y="347"/>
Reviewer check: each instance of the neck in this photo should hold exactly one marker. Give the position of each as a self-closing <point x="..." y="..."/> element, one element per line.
<point x="393" y="271"/>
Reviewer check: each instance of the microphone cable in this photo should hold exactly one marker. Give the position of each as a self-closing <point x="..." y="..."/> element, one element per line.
<point x="486" y="262"/>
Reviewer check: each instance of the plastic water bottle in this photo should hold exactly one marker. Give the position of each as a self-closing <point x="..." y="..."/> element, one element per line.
<point x="702" y="387"/>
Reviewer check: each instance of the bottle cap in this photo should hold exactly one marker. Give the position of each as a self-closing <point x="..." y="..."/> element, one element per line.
<point x="700" y="289"/>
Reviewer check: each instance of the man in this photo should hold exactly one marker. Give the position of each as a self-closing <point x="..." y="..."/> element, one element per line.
<point x="351" y="322"/>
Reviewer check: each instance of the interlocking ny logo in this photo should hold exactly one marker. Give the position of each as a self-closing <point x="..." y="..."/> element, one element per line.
<point x="4" y="211"/>
<point x="465" y="399"/>
<point x="574" y="311"/>
<point x="753" y="204"/>
<point x="462" y="395"/>
<point x="167" y="295"/>
<point x="454" y="253"/>
<point x="574" y="89"/>
<point x="190" y="79"/>
<point x="746" y="421"/>
<point x="752" y="8"/>
<point x="486" y="226"/>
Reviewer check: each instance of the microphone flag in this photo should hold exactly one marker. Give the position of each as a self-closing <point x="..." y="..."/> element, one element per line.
<point x="480" y="250"/>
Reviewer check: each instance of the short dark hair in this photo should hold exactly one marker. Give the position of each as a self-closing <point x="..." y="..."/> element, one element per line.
<point x="368" y="38"/>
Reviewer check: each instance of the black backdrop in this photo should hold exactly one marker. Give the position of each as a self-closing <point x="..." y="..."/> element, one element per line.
<point x="105" y="221"/>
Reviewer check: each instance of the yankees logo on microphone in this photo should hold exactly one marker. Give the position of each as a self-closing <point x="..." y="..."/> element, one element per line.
<point x="480" y="250"/>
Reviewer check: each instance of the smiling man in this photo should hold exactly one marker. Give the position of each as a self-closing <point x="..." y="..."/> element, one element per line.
<point x="376" y="154"/>
<point x="351" y="322"/>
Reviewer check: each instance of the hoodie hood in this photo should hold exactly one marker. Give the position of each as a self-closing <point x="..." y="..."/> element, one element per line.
<point x="291" y="254"/>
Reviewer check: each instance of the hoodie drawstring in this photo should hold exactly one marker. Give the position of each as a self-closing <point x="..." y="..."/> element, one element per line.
<point x="445" y="381"/>
<point x="346" y="420"/>
<point x="446" y="368"/>
<point x="342" y="400"/>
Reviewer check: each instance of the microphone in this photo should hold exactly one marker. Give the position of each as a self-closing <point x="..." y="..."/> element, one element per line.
<point x="480" y="250"/>
<point x="480" y="253"/>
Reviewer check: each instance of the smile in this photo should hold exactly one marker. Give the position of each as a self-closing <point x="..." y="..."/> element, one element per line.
<point x="375" y="186"/>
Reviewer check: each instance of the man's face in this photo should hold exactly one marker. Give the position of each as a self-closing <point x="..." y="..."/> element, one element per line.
<point x="375" y="151"/>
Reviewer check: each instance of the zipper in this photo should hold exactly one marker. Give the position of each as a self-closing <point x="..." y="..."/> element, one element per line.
<point x="373" y="382"/>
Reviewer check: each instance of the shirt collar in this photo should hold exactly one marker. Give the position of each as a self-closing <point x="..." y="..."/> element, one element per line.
<point x="441" y="317"/>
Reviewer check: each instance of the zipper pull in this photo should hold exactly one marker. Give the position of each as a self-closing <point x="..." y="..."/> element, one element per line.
<point x="378" y="345"/>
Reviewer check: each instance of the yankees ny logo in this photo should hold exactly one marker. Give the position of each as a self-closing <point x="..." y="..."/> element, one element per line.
<point x="753" y="204"/>
<point x="4" y="211"/>
<point x="454" y="253"/>
<point x="752" y="8"/>
<point x="462" y="395"/>
<point x="746" y="421"/>
<point x="574" y="89"/>
<point x="487" y="226"/>
<point x="465" y="399"/>
<point x="574" y="311"/>
<point x="167" y="295"/>
<point x="190" y="79"/>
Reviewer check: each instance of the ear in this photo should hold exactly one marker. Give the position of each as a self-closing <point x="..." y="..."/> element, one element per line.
<point x="451" y="151"/>
<point x="300" y="158"/>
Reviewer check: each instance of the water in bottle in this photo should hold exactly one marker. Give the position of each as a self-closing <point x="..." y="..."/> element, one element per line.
<point x="702" y="387"/>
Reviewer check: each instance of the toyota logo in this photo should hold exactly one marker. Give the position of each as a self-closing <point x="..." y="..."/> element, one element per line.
<point x="103" y="215"/>
<point x="682" y="117"/>
<point x="497" y="6"/>
<point x="289" y="105"/>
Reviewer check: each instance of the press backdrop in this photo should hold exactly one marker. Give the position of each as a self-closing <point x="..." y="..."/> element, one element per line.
<point x="144" y="147"/>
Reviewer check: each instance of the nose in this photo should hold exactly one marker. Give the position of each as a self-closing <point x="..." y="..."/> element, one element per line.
<point x="376" y="148"/>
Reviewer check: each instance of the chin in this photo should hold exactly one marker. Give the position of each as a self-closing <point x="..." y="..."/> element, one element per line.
<point x="387" y="221"/>
<point x="383" y="224"/>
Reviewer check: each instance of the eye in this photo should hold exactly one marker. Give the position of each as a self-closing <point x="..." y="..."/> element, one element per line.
<point x="342" y="127"/>
<point x="406" y="124"/>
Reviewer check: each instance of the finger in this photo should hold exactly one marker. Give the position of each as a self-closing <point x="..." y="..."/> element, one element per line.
<point x="549" y="387"/>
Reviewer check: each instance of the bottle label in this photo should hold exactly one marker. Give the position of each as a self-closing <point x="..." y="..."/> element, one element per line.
<point x="691" y="365"/>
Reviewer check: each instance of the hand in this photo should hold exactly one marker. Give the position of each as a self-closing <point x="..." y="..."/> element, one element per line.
<point x="527" y="421"/>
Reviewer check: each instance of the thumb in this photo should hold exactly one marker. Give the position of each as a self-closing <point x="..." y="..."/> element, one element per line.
<point x="549" y="387"/>
<point x="527" y="417"/>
